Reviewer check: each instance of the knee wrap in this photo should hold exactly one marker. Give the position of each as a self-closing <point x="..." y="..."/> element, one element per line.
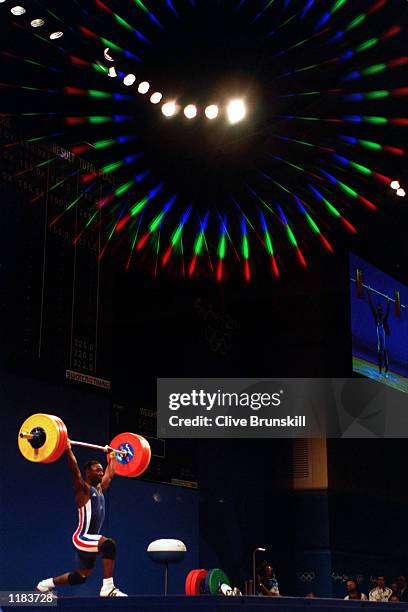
<point x="108" y="549"/>
<point x="76" y="578"/>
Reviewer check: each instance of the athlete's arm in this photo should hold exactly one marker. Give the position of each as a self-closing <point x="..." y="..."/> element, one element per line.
<point x="81" y="488"/>
<point x="109" y="472"/>
<point x="370" y="301"/>
<point x="387" y="310"/>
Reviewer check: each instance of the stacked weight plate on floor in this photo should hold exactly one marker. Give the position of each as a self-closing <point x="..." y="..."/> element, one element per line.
<point x="214" y="581"/>
<point x="195" y="582"/>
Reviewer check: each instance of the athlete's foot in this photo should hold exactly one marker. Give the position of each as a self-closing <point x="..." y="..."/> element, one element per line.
<point x="111" y="591"/>
<point x="42" y="587"/>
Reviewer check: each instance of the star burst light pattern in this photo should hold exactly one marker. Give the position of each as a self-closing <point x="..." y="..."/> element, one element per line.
<point x="326" y="84"/>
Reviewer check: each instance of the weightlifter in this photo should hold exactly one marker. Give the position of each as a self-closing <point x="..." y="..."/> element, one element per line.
<point x="90" y="501"/>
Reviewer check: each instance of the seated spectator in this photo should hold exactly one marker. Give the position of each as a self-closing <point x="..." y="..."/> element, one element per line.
<point x="380" y="591"/>
<point x="267" y="583"/>
<point x="402" y="588"/>
<point x="394" y="588"/>
<point x="311" y="595"/>
<point x="352" y="591"/>
<point x="394" y="597"/>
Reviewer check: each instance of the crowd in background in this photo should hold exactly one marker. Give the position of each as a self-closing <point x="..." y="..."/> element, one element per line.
<point x="267" y="585"/>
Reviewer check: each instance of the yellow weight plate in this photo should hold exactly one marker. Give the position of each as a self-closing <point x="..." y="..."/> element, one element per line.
<point x="52" y="438"/>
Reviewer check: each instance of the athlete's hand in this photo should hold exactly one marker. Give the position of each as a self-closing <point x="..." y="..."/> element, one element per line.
<point x="68" y="446"/>
<point x="112" y="456"/>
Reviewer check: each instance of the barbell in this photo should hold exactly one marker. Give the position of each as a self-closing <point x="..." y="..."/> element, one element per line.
<point x="43" y="438"/>
<point x="358" y="280"/>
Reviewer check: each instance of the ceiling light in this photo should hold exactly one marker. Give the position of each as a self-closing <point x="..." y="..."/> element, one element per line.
<point x="56" y="35"/>
<point x="236" y="111"/>
<point x="395" y="185"/>
<point x="211" y="112"/>
<point x="129" y="80"/>
<point x="401" y="193"/>
<point x="144" y="87"/>
<point x="18" y="10"/>
<point x="169" y="109"/>
<point x="37" y="23"/>
<point x="156" y="97"/>
<point x="190" y="111"/>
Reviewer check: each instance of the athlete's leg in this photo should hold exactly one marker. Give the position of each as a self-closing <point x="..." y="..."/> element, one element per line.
<point x="78" y="576"/>
<point x="108" y="556"/>
<point x="107" y="548"/>
<point x="386" y="362"/>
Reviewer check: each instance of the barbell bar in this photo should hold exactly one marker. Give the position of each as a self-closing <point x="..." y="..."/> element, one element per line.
<point x="360" y="285"/>
<point x="43" y="438"/>
<point x="105" y="449"/>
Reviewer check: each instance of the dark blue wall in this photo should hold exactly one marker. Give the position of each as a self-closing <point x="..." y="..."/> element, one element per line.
<point x="37" y="513"/>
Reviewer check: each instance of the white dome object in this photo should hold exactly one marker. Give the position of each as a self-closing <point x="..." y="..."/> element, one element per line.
<point x="166" y="550"/>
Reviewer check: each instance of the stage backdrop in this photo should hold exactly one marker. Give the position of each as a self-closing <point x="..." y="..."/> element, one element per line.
<point x="38" y="516"/>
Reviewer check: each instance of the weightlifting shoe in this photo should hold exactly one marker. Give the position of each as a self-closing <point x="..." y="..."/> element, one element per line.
<point x="43" y="588"/>
<point x="111" y="592"/>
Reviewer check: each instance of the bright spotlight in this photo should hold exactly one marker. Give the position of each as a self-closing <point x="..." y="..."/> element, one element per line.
<point x="18" y="10"/>
<point x="1" y="1"/>
<point x="236" y="111"/>
<point x="395" y="185"/>
<point x="112" y="72"/>
<point x="211" y="112"/>
<point x="169" y="109"/>
<point x="56" y="35"/>
<point x="401" y="192"/>
<point x="144" y="87"/>
<point x="129" y="80"/>
<point x="37" y="23"/>
<point x="156" y="97"/>
<point x="190" y="111"/>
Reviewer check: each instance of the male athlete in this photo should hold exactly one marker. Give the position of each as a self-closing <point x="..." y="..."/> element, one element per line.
<point x="381" y="322"/>
<point x="90" y="502"/>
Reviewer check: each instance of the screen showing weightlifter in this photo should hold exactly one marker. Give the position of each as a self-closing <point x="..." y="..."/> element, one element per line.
<point x="90" y="502"/>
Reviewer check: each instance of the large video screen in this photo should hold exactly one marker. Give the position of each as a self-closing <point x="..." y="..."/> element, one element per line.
<point x="379" y="324"/>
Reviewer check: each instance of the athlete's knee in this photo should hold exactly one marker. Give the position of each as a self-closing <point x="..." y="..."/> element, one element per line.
<point x="76" y="578"/>
<point x="108" y="549"/>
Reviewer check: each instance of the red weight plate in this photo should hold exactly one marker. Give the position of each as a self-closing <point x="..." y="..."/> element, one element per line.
<point x="188" y="581"/>
<point x="196" y="582"/>
<point x="63" y="440"/>
<point x="56" y="454"/>
<point x="138" y="458"/>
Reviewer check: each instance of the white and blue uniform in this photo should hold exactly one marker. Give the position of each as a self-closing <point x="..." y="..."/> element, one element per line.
<point x="90" y="519"/>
